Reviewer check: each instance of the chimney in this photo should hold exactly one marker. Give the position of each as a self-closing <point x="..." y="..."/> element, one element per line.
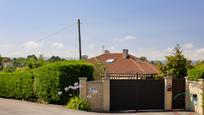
<point x="106" y="51"/>
<point x="125" y="53"/>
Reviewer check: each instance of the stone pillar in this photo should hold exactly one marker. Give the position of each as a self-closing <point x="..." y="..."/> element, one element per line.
<point x="106" y="94"/>
<point x="83" y="88"/>
<point x="200" y="104"/>
<point x="187" y="96"/>
<point x="168" y="93"/>
<point x="201" y="83"/>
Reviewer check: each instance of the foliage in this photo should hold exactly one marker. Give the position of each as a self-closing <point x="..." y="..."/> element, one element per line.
<point x="176" y="64"/>
<point x="9" y="69"/>
<point x="17" y="85"/>
<point x="18" y="62"/>
<point x="33" y="62"/>
<point x="78" y="103"/>
<point x="99" y="70"/>
<point x="143" y="58"/>
<point x="55" y="59"/>
<point x="54" y="77"/>
<point x="157" y="63"/>
<point x="84" y="57"/>
<point x="1" y="60"/>
<point x="196" y="73"/>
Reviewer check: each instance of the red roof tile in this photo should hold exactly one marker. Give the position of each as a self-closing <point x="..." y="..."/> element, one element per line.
<point x="121" y="65"/>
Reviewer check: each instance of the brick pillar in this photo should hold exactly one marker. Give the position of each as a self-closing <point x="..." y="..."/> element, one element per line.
<point x="187" y="96"/>
<point x="106" y="94"/>
<point x="83" y="88"/>
<point x="168" y="93"/>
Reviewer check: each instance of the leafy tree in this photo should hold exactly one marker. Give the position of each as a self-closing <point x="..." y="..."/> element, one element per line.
<point x="157" y="63"/>
<point x="84" y="57"/>
<point x="143" y="58"/>
<point x="199" y="62"/>
<point x="41" y="60"/>
<point x="1" y="59"/>
<point x="18" y="62"/>
<point x="99" y="70"/>
<point x="33" y="62"/>
<point x="55" y="59"/>
<point x="176" y="65"/>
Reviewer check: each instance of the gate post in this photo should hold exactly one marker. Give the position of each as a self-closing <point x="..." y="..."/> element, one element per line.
<point x="83" y="88"/>
<point x="168" y="93"/>
<point x="187" y="96"/>
<point x="106" y="94"/>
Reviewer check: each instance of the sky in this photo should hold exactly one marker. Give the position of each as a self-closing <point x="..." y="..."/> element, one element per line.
<point x="149" y="28"/>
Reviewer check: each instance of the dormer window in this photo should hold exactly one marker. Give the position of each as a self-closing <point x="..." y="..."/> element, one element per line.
<point x="109" y="61"/>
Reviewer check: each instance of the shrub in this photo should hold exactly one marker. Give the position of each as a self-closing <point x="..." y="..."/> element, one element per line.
<point x="196" y="73"/>
<point x="18" y="85"/>
<point x="78" y="103"/>
<point x="54" y="77"/>
<point x="9" y="69"/>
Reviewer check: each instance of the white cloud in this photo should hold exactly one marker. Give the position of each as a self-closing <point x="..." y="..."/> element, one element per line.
<point x="92" y="46"/>
<point x="200" y="50"/>
<point x="57" y="45"/>
<point x="126" y="38"/>
<point x="188" y="46"/>
<point x="33" y="44"/>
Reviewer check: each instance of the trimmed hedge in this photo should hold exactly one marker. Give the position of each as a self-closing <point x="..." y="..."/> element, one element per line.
<point x="18" y="85"/>
<point x="196" y="73"/>
<point x="54" y="77"/>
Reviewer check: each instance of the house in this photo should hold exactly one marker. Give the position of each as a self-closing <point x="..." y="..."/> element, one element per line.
<point x="125" y="63"/>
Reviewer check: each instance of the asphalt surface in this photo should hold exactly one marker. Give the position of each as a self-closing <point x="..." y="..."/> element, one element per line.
<point x="17" y="107"/>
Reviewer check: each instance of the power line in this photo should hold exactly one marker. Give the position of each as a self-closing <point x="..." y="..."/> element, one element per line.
<point x="46" y="37"/>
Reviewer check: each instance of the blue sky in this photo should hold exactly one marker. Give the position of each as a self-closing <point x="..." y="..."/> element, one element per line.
<point x="148" y="28"/>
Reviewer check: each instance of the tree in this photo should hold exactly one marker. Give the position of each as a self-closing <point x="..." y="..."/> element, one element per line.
<point x="157" y="63"/>
<point x="33" y="62"/>
<point x="1" y="62"/>
<point x="84" y="57"/>
<point x="176" y="64"/>
<point x="143" y="58"/>
<point x="18" y="62"/>
<point x="99" y="70"/>
<point x="41" y="60"/>
<point x="55" y="59"/>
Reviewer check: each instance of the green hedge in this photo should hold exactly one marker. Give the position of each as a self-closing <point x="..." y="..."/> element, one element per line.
<point x="18" y="85"/>
<point x="196" y="73"/>
<point x="54" y="77"/>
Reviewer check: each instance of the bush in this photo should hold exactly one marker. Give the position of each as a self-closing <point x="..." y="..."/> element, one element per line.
<point x="196" y="73"/>
<point x="18" y="85"/>
<point x="9" y="69"/>
<point x="78" y="103"/>
<point x="54" y="77"/>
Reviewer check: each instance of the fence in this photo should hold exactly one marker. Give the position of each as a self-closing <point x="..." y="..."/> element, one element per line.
<point x="130" y="76"/>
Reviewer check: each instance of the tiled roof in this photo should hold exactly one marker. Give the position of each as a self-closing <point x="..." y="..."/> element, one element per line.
<point x="131" y="64"/>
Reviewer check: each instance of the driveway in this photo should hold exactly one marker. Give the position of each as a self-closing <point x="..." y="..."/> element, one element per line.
<point x="17" y="107"/>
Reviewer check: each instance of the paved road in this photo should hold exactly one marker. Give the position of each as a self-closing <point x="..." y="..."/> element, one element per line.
<point x="16" y="107"/>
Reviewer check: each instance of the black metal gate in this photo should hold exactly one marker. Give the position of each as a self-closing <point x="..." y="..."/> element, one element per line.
<point x="178" y="94"/>
<point x="136" y="94"/>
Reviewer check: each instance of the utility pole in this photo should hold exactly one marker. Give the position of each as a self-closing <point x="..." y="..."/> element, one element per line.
<point x="79" y="30"/>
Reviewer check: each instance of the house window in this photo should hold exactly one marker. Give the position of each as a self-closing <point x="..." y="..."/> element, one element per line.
<point x="109" y="61"/>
